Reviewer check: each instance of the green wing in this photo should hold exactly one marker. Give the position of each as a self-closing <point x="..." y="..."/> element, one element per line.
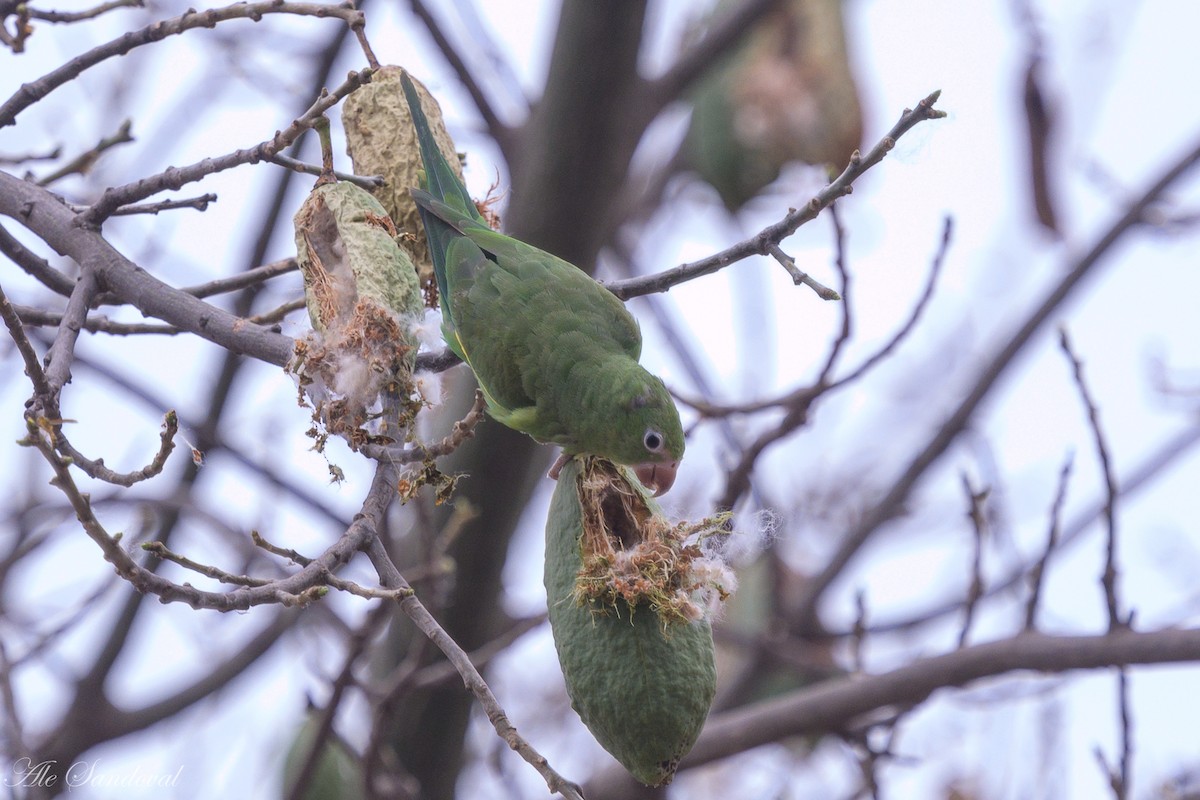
<point x="522" y="318"/>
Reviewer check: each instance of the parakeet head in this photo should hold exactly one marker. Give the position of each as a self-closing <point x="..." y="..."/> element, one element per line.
<point x="649" y="434"/>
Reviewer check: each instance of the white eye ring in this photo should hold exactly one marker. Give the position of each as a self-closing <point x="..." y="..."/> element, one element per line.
<point x="653" y="440"/>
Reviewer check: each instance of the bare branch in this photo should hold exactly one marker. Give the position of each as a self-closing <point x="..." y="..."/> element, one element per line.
<point x="1038" y="573"/>
<point x="277" y="313"/>
<point x="918" y="309"/>
<point x="975" y="513"/>
<point x="997" y="365"/>
<point x="760" y="243"/>
<point x="1109" y="578"/>
<point x="52" y="154"/>
<point x="390" y="577"/>
<point x="91" y="13"/>
<point x="834" y="704"/>
<point x="62" y="352"/>
<point x="98" y="470"/>
<point x="799" y="276"/>
<point x="33" y="367"/>
<point x="298" y="589"/>
<point x="176" y="177"/>
<point x="34" y="264"/>
<point x="1162" y="458"/>
<point x="94" y="323"/>
<point x="42" y="212"/>
<point x="500" y="132"/>
<point x="83" y="162"/>
<point x="199" y="203"/>
<point x="242" y="279"/>
<point x="31" y="92"/>
<point x="462" y="430"/>
<point x="365" y="181"/>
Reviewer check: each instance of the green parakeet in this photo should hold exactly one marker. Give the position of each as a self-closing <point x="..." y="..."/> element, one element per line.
<point x="555" y="353"/>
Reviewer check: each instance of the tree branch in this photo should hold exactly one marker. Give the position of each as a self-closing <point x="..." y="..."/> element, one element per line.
<point x="997" y="365"/>
<point x="771" y="236"/>
<point x="844" y="703"/>
<point x="31" y="92"/>
<point x="46" y="216"/>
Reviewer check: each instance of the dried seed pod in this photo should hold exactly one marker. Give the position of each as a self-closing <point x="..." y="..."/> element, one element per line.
<point x="363" y="297"/>
<point x="627" y="597"/>
<point x="786" y="94"/>
<point x="381" y="140"/>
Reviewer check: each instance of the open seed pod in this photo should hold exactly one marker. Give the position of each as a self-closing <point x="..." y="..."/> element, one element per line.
<point x="381" y="140"/>
<point x="363" y="297"/>
<point x="787" y="93"/>
<point x="628" y="595"/>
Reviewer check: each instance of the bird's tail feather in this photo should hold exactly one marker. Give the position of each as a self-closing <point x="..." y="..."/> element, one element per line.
<point x="440" y="182"/>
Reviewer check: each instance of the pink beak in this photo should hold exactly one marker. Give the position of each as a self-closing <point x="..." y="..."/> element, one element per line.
<point x="656" y="476"/>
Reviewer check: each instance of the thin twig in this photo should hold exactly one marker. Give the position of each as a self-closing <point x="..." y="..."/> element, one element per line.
<point x="199" y="203"/>
<point x="296" y="165"/>
<point x="918" y="309"/>
<point x="797" y="403"/>
<point x="298" y="589"/>
<point x="62" y="352"/>
<point x="83" y="162"/>
<point x="53" y="154"/>
<point x="96" y="469"/>
<point x="276" y="314"/>
<point x="176" y="177"/>
<point x="1165" y="455"/>
<point x="33" y="367"/>
<point x="91" y="13"/>
<point x="1109" y="579"/>
<point x="33" y="91"/>
<point x="990" y="373"/>
<point x="799" y="276"/>
<point x="95" y="323"/>
<point x="761" y="242"/>
<point x="975" y="512"/>
<point x="840" y="264"/>
<point x="1126" y="732"/>
<point x="160" y="550"/>
<point x="462" y="430"/>
<point x="496" y="129"/>
<point x="390" y="577"/>
<point x="1038" y="573"/>
<point x="243" y="279"/>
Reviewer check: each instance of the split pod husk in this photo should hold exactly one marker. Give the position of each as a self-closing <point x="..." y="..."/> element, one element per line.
<point x="627" y="596"/>
<point x="364" y="299"/>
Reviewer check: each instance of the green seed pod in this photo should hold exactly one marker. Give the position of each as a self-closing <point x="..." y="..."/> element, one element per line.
<point x="624" y="594"/>
<point x="786" y="93"/>
<point x="381" y="140"/>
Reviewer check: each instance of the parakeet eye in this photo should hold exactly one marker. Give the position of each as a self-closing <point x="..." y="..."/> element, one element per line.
<point x="653" y="440"/>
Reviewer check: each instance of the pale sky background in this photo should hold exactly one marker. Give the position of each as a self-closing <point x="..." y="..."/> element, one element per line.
<point x="1125" y="75"/>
